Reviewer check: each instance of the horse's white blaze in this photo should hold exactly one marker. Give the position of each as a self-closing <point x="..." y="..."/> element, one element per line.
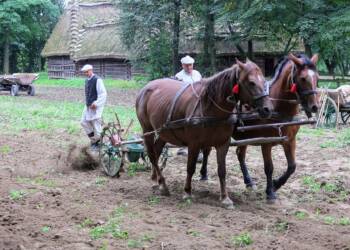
<point x="311" y="73"/>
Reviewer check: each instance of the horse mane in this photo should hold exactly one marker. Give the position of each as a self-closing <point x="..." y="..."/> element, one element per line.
<point x="283" y="62"/>
<point x="215" y="86"/>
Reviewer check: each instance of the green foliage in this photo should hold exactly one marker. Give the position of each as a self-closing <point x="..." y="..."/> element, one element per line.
<point x="17" y="194"/>
<point x="45" y="229"/>
<point x="242" y="240"/>
<point x="40" y="181"/>
<point x="300" y="215"/>
<point x="5" y="149"/>
<point x="111" y="227"/>
<point x="25" y="26"/>
<point x="153" y="200"/>
<point x="135" y="167"/>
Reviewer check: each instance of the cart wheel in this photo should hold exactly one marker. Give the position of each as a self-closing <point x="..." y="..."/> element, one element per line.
<point x="345" y="116"/>
<point x="31" y="90"/>
<point x="110" y="157"/>
<point x="330" y="113"/>
<point x="14" y="90"/>
<point x="163" y="158"/>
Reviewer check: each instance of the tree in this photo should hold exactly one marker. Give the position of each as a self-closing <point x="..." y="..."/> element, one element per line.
<point x="148" y="27"/>
<point x="25" y="25"/>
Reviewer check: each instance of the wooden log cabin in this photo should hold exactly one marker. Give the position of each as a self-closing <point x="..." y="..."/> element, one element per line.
<point x="87" y="33"/>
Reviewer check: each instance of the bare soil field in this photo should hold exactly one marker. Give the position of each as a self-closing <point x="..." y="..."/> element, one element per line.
<point x="46" y="204"/>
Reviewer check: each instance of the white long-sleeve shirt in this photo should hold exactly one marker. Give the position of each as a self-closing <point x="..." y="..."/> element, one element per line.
<point x="189" y="78"/>
<point x="92" y="114"/>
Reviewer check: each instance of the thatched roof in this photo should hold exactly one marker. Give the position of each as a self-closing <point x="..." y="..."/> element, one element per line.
<point x="87" y="29"/>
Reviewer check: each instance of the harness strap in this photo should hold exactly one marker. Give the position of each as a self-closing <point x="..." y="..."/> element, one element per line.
<point x="173" y="103"/>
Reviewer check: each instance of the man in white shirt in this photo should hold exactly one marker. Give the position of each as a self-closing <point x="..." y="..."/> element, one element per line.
<point x="188" y="75"/>
<point x="95" y="99"/>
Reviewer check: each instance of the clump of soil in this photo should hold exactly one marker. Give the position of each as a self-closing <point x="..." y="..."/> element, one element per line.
<point x="82" y="158"/>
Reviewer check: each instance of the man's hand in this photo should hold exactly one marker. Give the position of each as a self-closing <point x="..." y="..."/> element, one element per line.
<point x="93" y="106"/>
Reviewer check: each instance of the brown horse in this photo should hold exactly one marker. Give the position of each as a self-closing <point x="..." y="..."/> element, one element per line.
<point x="295" y="82"/>
<point x="211" y="97"/>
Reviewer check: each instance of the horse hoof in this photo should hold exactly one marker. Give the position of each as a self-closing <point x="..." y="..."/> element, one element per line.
<point x="155" y="187"/>
<point x="251" y="187"/>
<point x="271" y="201"/>
<point x="164" y="190"/>
<point x="227" y="203"/>
<point x="204" y="178"/>
<point x="187" y="196"/>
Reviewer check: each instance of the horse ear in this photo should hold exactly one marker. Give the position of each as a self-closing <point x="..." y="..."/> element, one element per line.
<point x="247" y="60"/>
<point x="314" y="59"/>
<point x="240" y="64"/>
<point x="295" y="59"/>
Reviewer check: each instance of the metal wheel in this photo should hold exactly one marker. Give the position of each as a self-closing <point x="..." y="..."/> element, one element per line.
<point x="345" y="116"/>
<point x="329" y="114"/>
<point x="14" y="90"/>
<point x="111" y="158"/>
<point x="31" y="90"/>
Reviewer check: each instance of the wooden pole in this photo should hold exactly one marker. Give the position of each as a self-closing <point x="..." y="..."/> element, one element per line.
<point x="259" y="141"/>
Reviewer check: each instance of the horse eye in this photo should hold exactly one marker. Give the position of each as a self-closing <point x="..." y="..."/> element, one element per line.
<point x="252" y="84"/>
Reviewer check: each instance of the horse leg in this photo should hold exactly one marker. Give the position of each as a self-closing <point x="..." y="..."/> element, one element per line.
<point x="221" y="153"/>
<point x="289" y="151"/>
<point x="204" y="168"/>
<point x="241" y="153"/>
<point x="154" y="150"/>
<point x="191" y="168"/>
<point x="268" y="167"/>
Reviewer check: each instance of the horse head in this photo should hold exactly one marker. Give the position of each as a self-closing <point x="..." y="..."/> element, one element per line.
<point x="252" y="90"/>
<point x="304" y="78"/>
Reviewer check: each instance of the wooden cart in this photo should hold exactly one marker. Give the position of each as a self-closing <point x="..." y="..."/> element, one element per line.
<point x="18" y="82"/>
<point x="334" y="106"/>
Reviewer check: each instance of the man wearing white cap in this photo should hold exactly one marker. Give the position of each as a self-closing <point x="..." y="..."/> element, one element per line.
<point x="95" y="99"/>
<point x="188" y="74"/>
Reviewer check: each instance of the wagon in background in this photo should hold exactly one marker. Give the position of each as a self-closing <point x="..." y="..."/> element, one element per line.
<point x="18" y="82"/>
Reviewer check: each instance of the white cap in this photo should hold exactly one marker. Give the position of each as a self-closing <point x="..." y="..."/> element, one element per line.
<point x="86" y="67"/>
<point x="187" y="60"/>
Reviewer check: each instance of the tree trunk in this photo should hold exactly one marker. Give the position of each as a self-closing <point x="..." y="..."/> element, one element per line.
<point x="209" y="56"/>
<point x="331" y="64"/>
<point x="250" y="50"/>
<point x="307" y="47"/>
<point x="6" y="66"/>
<point x="176" y="35"/>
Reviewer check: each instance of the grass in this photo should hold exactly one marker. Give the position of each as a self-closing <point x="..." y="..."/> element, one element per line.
<point x="100" y="181"/>
<point x="242" y="240"/>
<point x="300" y="215"/>
<point x="112" y="226"/>
<point x="45" y="229"/>
<point x="44" y="80"/>
<point x="40" y="181"/>
<point x="5" y="149"/>
<point x="44" y="115"/>
<point x="135" y="167"/>
<point x="153" y="200"/>
<point x="16" y="194"/>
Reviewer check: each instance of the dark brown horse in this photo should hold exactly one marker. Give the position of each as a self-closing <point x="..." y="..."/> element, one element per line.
<point x="211" y="97"/>
<point x="295" y="82"/>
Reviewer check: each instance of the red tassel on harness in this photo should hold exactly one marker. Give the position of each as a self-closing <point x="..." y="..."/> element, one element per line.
<point x="293" y="88"/>
<point x="235" y="89"/>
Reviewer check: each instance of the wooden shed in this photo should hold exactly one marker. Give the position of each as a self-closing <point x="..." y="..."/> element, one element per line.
<point x="87" y="33"/>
